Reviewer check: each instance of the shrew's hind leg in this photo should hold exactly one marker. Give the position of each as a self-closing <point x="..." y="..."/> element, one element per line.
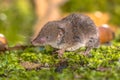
<point x="92" y="43"/>
<point x="87" y="51"/>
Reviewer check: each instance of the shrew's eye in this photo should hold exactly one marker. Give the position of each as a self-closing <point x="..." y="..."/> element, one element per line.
<point x="47" y="37"/>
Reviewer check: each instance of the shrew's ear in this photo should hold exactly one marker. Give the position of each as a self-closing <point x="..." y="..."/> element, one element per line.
<point x="60" y="34"/>
<point x="61" y="26"/>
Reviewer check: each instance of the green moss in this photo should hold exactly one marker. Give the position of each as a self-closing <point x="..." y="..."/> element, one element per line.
<point x="102" y="63"/>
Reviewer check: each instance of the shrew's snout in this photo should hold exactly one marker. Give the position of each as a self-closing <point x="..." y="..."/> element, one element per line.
<point x="38" y="41"/>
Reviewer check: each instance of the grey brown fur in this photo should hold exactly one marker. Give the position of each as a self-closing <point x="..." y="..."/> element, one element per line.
<point x="70" y="33"/>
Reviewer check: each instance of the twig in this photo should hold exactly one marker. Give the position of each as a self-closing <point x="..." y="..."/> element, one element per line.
<point x="17" y="47"/>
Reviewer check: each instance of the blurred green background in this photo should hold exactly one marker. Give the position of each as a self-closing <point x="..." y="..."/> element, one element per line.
<point x="16" y="20"/>
<point x="17" y="17"/>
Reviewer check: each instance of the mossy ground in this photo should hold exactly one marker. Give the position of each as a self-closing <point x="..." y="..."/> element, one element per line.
<point x="102" y="64"/>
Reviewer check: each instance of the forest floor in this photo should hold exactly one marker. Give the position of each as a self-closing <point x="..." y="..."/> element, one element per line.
<point x="102" y="63"/>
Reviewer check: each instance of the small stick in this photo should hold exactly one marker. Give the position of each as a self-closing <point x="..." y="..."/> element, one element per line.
<point x="17" y="47"/>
